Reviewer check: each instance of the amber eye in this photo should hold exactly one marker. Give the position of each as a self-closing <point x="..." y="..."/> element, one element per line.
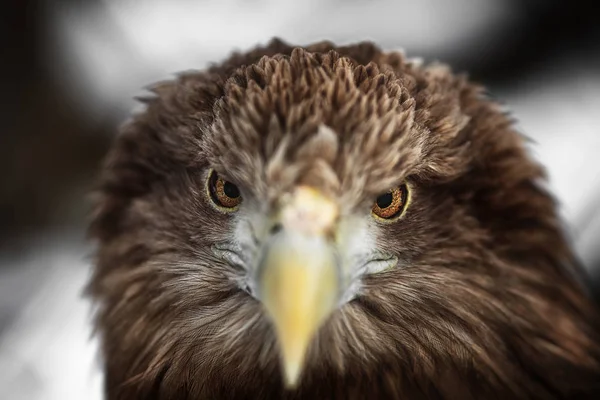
<point x="224" y="194"/>
<point x="390" y="205"/>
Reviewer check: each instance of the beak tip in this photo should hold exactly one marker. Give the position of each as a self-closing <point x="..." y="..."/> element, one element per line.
<point x="293" y="355"/>
<point x="292" y="375"/>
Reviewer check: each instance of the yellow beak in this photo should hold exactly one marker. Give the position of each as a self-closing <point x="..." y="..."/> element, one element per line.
<point x="299" y="276"/>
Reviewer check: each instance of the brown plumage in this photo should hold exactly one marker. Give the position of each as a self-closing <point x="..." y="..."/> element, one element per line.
<point x="479" y="296"/>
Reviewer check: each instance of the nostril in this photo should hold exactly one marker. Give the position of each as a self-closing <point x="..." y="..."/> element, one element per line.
<point x="276" y="228"/>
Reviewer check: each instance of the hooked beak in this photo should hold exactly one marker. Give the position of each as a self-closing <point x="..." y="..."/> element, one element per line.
<point x="299" y="277"/>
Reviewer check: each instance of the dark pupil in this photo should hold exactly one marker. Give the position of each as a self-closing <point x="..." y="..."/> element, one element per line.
<point x="385" y="200"/>
<point x="231" y="190"/>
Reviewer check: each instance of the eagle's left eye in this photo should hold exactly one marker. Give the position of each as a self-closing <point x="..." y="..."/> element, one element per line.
<point x="390" y="205"/>
<point x="223" y="193"/>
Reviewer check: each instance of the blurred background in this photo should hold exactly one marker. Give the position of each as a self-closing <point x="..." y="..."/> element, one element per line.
<point x="70" y="70"/>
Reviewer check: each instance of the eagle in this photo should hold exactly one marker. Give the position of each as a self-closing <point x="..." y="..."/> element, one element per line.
<point x="333" y="222"/>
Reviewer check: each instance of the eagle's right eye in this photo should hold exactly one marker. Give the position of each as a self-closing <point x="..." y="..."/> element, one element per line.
<point x="224" y="194"/>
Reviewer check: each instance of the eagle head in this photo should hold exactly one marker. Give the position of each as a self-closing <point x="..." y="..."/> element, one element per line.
<point x="331" y="221"/>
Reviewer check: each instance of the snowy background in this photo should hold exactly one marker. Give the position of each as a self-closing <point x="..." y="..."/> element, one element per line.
<point x="76" y="65"/>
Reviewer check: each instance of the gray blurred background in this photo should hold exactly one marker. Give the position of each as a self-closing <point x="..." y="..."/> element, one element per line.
<point x="71" y="68"/>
